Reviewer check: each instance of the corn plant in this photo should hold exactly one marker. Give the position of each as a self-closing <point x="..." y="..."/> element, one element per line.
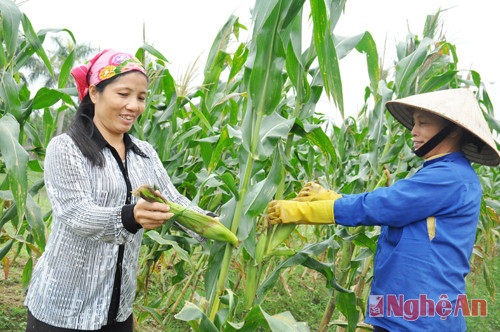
<point x="370" y="151"/>
<point x="250" y="133"/>
<point x="21" y="146"/>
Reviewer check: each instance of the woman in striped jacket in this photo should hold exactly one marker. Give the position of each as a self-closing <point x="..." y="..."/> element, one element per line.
<point x="86" y="278"/>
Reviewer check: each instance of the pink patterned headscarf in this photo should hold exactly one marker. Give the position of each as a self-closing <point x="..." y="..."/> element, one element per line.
<point x="104" y="65"/>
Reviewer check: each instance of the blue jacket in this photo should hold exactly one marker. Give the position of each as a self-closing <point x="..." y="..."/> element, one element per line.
<point x="415" y="264"/>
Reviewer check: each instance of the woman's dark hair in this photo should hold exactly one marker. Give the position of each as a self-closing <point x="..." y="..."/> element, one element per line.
<point x="82" y="128"/>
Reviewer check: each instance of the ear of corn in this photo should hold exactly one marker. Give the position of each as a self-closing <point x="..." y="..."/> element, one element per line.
<point x="204" y="225"/>
<point x="280" y="252"/>
<point x="281" y="233"/>
<point x="260" y="247"/>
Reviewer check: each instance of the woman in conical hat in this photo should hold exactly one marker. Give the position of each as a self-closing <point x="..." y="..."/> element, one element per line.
<point x="461" y="109"/>
<point x="428" y="221"/>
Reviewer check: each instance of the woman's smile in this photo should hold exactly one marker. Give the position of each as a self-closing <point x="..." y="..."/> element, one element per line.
<point x="417" y="144"/>
<point x="128" y="118"/>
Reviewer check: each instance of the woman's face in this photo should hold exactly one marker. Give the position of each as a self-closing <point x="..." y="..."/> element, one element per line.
<point x="119" y="104"/>
<point x="426" y="125"/>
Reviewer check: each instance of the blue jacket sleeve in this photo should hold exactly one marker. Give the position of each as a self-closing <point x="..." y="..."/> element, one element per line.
<point x="431" y="191"/>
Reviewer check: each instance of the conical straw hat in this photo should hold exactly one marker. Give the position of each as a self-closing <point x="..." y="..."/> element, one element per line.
<point x="460" y="106"/>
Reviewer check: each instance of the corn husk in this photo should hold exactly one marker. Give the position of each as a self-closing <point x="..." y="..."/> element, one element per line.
<point x="202" y="224"/>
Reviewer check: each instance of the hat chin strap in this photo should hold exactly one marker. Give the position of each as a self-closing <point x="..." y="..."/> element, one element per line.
<point x="434" y="141"/>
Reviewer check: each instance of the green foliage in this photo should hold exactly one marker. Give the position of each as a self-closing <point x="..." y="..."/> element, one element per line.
<point x="16" y="318"/>
<point x="247" y="135"/>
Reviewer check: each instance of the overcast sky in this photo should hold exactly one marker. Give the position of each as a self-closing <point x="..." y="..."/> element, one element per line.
<point x="184" y="30"/>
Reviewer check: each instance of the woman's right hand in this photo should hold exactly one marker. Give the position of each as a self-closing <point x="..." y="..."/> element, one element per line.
<point x="151" y="214"/>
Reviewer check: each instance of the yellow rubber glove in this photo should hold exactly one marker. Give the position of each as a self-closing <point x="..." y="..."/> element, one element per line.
<point x="293" y="212"/>
<point x="314" y="192"/>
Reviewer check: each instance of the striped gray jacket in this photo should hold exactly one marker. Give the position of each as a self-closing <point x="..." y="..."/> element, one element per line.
<point x="72" y="282"/>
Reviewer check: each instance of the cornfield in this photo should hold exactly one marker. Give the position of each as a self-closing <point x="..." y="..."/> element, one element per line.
<point x="248" y="134"/>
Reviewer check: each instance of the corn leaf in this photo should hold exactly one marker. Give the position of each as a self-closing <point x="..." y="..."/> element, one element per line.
<point x="33" y="135"/>
<point x="492" y="122"/>
<point x="274" y="128"/>
<point x="49" y="125"/>
<point x="154" y="313"/>
<point x="228" y="180"/>
<point x="262" y="10"/>
<point x="327" y="54"/>
<point x="336" y="9"/>
<point x="27" y="50"/>
<point x="297" y="74"/>
<point x="239" y="58"/>
<point x="6" y="248"/>
<point x="66" y="69"/>
<point x="214" y="265"/>
<point x="27" y="272"/>
<point x="364" y="241"/>
<point x="201" y="116"/>
<point x="10" y="95"/>
<point x="316" y="137"/>
<point x="367" y="46"/>
<point x="151" y="50"/>
<point x="35" y="220"/>
<point x="10" y="213"/>
<point x="3" y="60"/>
<point x="346" y="302"/>
<point x="408" y="67"/>
<point x="222" y="143"/>
<point x="266" y="77"/>
<point x="183" y="138"/>
<point x="394" y="152"/>
<point x="262" y="193"/>
<point x="292" y="12"/>
<point x="47" y="97"/>
<point x="193" y="314"/>
<point x="306" y="258"/>
<point x="16" y="161"/>
<point x="35" y="43"/>
<point x="11" y="17"/>
<point x="257" y="319"/>
<point x="490" y="285"/>
<point x="217" y="56"/>
<point x="183" y="254"/>
<point x="231" y="301"/>
<point x="438" y="81"/>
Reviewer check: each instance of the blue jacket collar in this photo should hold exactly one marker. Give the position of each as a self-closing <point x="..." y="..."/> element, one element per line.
<point x="458" y="155"/>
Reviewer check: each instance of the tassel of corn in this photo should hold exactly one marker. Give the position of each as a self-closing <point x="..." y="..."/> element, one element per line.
<point x="204" y="225"/>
